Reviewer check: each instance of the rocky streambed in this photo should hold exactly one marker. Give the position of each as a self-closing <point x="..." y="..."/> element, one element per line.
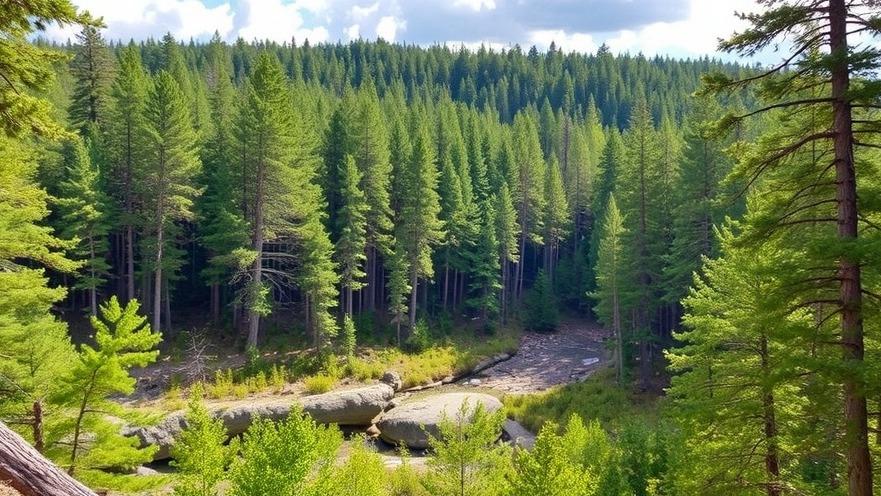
<point x="541" y="362"/>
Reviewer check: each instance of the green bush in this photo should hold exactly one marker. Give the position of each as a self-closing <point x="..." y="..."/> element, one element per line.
<point x="199" y="452"/>
<point x="295" y="456"/>
<point x="420" y="338"/>
<point x="467" y="460"/>
<point x="318" y="384"/>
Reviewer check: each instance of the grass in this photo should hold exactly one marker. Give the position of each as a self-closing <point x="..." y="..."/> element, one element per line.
<point x="598" y="397"/>
<point x="449" y="352"/>
<point x="450" y="355"/>
<point x="124" y="483"/>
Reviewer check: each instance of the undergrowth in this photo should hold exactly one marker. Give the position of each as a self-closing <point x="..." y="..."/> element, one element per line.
<point x="597" y="397"/>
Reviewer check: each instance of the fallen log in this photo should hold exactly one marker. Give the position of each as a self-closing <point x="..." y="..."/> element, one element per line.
<point x="31" y="474"/>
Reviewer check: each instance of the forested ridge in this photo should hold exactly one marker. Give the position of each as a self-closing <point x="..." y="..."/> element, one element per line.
<point x="719" y="220"/>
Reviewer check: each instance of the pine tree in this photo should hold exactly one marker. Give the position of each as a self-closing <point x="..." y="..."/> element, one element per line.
<point x="739" y="390"/>
<point x="830" y="60"/>
<point x="698" y="209"/>
<point x="124" y="340"/>
<point x="84" y="216"/>
<point x="36" y="345"/>
<point x="127" y="146"/>
<point x="612" y="278"/>
<point x="418" y="226"/>
<point x="398" y="289"/>
<point x="221" y="229"/>
<point x="529" y="191"/>
<point x="92" y="70"/>
<point x="168" y="189"/>
<point x="199" y="453"/>
<point x="26" y="69"/>
<point x="352" y="226"/>
<point x="485" y="265"/>
<point x="266" y="126"/>
<point x="556" y="215"/>
<point x="289" y="457"/>
<point x="507" y="231"/>
<point x="371" y="151"/>
<point x="636" y="188"/>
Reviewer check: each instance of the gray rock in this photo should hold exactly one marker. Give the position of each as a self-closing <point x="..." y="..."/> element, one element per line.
<point x="410" y="423"/>
<point x="145" y="471"/>
<point x="352" y="407"/>
<point x="518" y="435"/>
<point x="393" y="379"/>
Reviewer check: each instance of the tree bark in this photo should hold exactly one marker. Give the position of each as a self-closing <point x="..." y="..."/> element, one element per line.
<point x="29" y="473"/>
<point x="859" y="465"/>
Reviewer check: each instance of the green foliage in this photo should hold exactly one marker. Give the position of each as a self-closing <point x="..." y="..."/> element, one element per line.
<point x="420" y="338"/>
<point x="467" y="459"/>
<point x="582" y="461"/>
<point x="612" y="280"/>
<point x="85" y="218"/>
<point x="540" y="313"/>
<point x="26" y="69"/>
<point x="363" y="473"/>
<point x="123" y="340"/>
<point x="199" y="453"/>
<point x="349" y="336"/>
<point x="739" y="392"/>
<point x="597" y="397"/>
<point x="295" y="456"/>
<point x="92" y="70"/>
<point x="318" y="384"/>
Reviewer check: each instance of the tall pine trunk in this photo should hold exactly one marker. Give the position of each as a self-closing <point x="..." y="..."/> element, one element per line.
<point x="859" y="464"/>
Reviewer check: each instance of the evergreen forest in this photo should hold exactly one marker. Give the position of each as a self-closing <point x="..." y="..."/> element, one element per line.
<point x="319" y="214"/>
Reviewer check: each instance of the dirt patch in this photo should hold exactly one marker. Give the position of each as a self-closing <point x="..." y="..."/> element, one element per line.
<point x="547" y="360"/>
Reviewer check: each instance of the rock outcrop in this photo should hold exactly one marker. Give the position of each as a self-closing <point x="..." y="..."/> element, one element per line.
<point x="411" y="423"/>
<point x="350" y="407"/>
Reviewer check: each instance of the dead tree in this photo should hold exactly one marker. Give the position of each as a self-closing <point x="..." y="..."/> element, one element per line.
<point x="28" y="472"/>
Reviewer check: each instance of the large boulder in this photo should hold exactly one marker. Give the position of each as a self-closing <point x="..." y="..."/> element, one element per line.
<point x="411" y="423"/>
<point x="352" y="407"/>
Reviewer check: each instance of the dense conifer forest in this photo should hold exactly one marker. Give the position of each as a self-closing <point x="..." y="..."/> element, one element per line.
<point x="717" y="219"/>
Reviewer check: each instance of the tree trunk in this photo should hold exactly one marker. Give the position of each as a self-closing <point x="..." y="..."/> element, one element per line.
<point x="29" y="473"/>
<point x="772" y="460"/>
<point x="414" y="280"/>
<point x="157" y="285"/>
<point x="129" y="263"/>
<point x="38" y="426"/>
<point x="859" y="465"/>
<point x="215" y="303"/>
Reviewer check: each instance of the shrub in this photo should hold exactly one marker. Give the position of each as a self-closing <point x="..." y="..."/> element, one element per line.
<point x="420" y="338"/>
<point x="468" y="460"/>
<point x="318" y="384"/>
<point x="199" y="453"/>
<point x="295" y="456"/>
<point x="278" y="377"/>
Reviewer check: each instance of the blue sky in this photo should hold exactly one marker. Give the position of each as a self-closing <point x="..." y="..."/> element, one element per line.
<point x="679" y="28"/>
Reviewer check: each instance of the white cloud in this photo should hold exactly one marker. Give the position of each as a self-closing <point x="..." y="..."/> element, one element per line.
<point x="695" y="36"/>
<point x="475" y="5"/>
<point x="353" y="32"/>
<point x="274" y="20"/>
<point x="388" y="27"/>
<point x="184" y="19"/>
<point x="577" y="42"/>
<point x="360" y="13"/>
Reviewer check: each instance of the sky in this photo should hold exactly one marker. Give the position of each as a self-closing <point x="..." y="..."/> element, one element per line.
<point x="678" y="28"/>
